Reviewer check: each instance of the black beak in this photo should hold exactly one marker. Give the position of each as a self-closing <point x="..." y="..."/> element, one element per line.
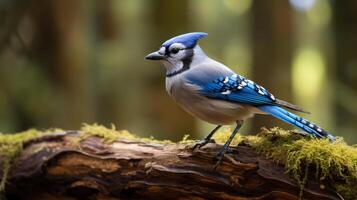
<point x="154" y="56"/>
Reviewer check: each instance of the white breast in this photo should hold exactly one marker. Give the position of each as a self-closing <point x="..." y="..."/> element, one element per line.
<point x="209" y="110"/>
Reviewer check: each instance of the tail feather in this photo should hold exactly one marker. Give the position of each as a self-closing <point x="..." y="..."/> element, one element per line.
<point x="297" y="121"/>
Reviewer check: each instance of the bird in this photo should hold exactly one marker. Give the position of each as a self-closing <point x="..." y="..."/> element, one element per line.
<point x="212" y="92"/>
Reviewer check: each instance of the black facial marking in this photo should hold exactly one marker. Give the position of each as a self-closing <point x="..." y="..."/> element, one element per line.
<point x="167" y="52"/>
<point x="187" y="60"/>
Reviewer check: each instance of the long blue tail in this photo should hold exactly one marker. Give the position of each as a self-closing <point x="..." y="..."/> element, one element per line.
<point x="297" y="121"/>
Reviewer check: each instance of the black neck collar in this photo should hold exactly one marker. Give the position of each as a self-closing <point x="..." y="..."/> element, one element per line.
<point x="184" y="68"/>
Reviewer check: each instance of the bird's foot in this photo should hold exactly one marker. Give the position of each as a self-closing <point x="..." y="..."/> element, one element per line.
<point x="202" y="143"/>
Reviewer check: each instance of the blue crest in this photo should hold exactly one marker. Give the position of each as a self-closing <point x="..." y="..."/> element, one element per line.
<point x="188" y="39"/>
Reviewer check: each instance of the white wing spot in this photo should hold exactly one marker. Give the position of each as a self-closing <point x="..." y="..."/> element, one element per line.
<point x="226" y="92"/>
<point x="226" y="79"/>
<point x="243" y="83"/>
<point x="261" y="92"/>
<point x="311" y="125"/>
<point x="303" y="121"/>
<point x="272" y="97"/>
<point x="319" y="130"/>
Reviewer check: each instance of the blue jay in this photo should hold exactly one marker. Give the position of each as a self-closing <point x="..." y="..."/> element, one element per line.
<point x="214" y="93"/>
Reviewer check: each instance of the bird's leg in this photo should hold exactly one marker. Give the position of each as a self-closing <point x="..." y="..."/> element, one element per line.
<point x="225" y="147"/>
<point x="205" y="140"/>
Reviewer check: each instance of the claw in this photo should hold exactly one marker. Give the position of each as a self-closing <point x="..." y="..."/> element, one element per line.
<point x="219" y="157"/>
<point x="198" y="144"/>
<point x="207" y="139"/>
<point x="225" y="147"/>
<point x="201" y="143"/>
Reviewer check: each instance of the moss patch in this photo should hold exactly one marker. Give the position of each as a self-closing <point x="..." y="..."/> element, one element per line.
<point x="186" y="140"/>
<point x="110" y="135"/>
<point x="223" y="134"/>
<point x="11" y="146"/>
<point x="332" y="162"/>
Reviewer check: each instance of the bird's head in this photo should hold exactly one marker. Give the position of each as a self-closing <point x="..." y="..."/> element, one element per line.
<point x="178" y="51"/>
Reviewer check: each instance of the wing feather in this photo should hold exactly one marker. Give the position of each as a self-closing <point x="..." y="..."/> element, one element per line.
<point x="236" y="88"/>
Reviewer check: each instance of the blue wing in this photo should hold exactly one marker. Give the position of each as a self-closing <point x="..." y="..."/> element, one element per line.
<point x="236" y="88"/>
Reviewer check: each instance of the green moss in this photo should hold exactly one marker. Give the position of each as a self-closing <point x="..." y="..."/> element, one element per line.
<point x="223" y="135"/>
<point x="187" y="141"/>
<point x="110" y="135"/>
<point x="328" y="162"/>
<point x="347" y="191"/>
<point x="10" y="147"/>
<point x="335" y="162"/>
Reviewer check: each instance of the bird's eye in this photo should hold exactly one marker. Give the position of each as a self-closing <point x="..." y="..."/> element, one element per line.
<point x="175" y="50"/>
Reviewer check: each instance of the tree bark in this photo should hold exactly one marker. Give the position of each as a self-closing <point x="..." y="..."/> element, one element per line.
<point x="63" y="166"/>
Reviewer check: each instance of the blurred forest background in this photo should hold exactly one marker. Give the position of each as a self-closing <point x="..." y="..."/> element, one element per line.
<point x="65" y="62"/>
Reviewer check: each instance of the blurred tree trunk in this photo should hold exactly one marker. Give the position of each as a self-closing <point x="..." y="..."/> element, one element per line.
<point x="171" y="18"/>
<point x="107" y="30"/>
<point x="11" y="13"/>
<point x="60" y="47"/>
<point x="272" y="52"/>
<point x="346" y="62"/>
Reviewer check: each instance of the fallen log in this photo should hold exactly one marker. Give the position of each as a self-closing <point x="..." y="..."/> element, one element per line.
<point x="69" y="165"/>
